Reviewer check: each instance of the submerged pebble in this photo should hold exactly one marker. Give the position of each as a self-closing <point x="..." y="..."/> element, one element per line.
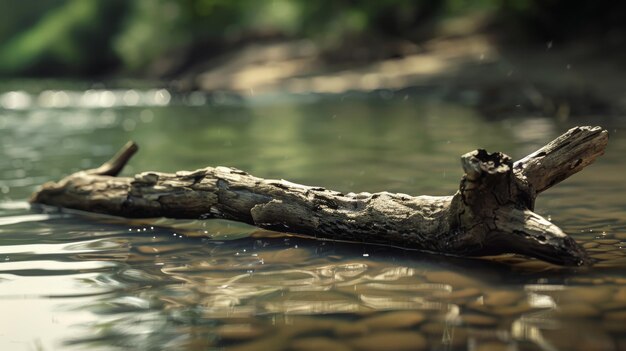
<point x="583" y="338"/>
<point x="390" y="341"/>
<point x="504" y="311"/>
<point x="616" y="262"/>
<point x="460" y="294"/>
<point x="479" y="320"/>
<point x="393" y="320"/>
<point x="435" y="328"/>
<point x="238" y="331"/>
<point x="502" y="298"/>
<point x="318" y="344"/>
<point x="455" y="279"/>
<point x="492" y="346"/>
<point x="577" y="310"/>
<point x="590" y="245"/>
<point x="609" y="255"/>
<point x="607" y="241"/>
<point x="591" y="295"/>
<point x="350" y="329"/>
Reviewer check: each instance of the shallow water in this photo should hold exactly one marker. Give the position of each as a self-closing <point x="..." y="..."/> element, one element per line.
<point x="71" y="282"/>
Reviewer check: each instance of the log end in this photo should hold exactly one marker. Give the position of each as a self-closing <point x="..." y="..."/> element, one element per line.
<point x="480" y="162"/>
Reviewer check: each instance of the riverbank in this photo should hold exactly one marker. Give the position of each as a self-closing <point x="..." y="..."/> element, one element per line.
<point x="463" y="63"/>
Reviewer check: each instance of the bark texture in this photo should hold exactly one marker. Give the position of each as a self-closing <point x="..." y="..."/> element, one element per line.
<point x="490" y="214"/>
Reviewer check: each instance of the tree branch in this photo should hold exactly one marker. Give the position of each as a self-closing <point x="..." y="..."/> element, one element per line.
<point x="564" y="156"/>
<point x="490" y="214"/>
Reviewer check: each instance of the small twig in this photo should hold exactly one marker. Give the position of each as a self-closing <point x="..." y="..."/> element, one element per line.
<point x="114" y="166"/>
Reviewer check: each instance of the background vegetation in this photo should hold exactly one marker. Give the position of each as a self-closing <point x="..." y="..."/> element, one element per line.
<point x="99" y="37"/>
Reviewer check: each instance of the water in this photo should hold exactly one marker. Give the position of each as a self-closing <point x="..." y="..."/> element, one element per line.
<point x="75" y="282"/>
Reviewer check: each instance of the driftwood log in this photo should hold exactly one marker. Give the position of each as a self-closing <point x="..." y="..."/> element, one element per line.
<point x="491" y="213"/>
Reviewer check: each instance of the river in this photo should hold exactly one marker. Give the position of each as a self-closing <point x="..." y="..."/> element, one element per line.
<point x="71" y="282"/>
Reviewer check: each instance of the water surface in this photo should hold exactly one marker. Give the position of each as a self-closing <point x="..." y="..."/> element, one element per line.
<point x="72" y="282"/>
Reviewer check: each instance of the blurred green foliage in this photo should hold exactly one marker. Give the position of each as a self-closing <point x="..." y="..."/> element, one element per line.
<point x="71" y="37"/>
<point x="86" y="37"/>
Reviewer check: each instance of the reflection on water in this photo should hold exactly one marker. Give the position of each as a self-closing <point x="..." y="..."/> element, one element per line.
<point x="69" y="281"/>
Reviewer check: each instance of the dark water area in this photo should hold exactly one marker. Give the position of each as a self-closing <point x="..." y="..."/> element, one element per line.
<point x="70" y="281"/>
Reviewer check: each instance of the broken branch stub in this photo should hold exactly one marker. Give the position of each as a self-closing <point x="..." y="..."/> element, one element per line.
<point x="491" y="213"/>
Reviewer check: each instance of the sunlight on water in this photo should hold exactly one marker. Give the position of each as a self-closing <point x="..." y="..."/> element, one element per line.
<point x="42" y="249"/>
<point x="93" y="98"/>
<point x="17" y="287"/>
<point x="26" y="218"/>
<point x="37" y="324"/>
<point x="70" y="280"/>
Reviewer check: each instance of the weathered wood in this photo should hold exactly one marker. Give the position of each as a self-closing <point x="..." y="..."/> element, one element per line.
<point x="490" y="214"/>
<point x="564" y="156"/>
